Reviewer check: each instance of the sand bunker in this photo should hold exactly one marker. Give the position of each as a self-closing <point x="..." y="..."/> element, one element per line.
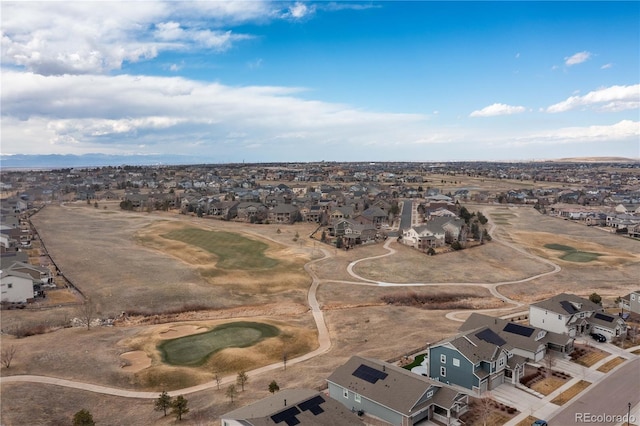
<point x="136" y="360"/>
<point x="181" y="331"/>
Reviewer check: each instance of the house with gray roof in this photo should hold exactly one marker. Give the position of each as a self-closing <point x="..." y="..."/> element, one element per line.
<point x="575" y="316"/>
<point x="478" y="360"/>
<point x="291" y="407"/>
<point x="380" y="390"/>
<point x="527" y="341"/>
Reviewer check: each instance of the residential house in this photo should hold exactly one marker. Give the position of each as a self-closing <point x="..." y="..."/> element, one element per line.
<point x="291" y="407"/>
<point x="477" y="359"/>
<point x="249" y="211"/>
<point x="283" y="213"/>
<point x="631" y="302"/>
<point x="353" y="233"/>
<point x="423" y="236"/>
<point x="39" y="274"/>
<point x="392" y="394"/>
<point x="572" y="315"/>
<point x="529" y="342"/>
<point x="372" y="216"/>
<point x="16" y="287"/>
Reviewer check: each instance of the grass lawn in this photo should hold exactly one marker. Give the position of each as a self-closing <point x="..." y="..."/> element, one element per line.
<point x="528" y="421"/>
<point x="610" y="365"/>
<point x="567" y="395"/>
<point x="416" y="362"/>
<point x="591" y="356"/>
<point x="194" y="350"/>
<point x="548" y="385"/>
<point x="233" y="250"/>
<point x="573" y="255"/>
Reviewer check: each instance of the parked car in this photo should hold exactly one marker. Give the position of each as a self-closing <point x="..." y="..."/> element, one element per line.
<point x="540" y="423"/>
<point x="598" y="337"/>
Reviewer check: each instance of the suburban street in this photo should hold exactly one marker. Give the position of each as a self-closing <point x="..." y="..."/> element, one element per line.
<point x="609" y="397"/>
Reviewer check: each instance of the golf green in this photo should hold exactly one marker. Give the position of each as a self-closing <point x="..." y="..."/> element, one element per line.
<point x="195" y="349"/>
<point x="573" y="255"/>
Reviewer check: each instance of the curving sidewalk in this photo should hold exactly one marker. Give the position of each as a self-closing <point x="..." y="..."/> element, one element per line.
<point x="324" y="338"/>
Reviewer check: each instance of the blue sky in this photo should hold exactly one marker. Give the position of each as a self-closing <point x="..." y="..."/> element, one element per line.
<point x="309" y="81"/>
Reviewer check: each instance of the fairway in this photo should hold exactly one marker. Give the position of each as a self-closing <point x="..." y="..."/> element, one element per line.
<point x="232" y="250"/>
<point x="573" y="255"/>
<point x="195" y="349"/>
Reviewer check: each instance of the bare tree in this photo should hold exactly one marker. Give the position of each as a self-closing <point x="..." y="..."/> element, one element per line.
<point x="242" y="379"/>
<point x="217" y="378"/>
<point x="550" y="361"/>
<point x="231" y="392"/>
<point x="7" y="355"/>
<point x="86" y="312"/>
<point x="486" y="406"/>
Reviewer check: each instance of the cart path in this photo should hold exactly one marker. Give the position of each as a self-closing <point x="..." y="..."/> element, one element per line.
<point x="324" y="339"/>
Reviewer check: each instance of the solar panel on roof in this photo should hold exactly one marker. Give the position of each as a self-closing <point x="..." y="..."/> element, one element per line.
<point x="604" y="317"/>
<point x="288" y="416"/>
<point x="313" y="405"/>
<point x="568" y="307"/>
<point x="490" y="337"/>
<point x="369" y="374"/>
<point x="520" y="330"/>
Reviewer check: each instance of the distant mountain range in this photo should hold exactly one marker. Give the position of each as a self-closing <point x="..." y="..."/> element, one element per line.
<point x="50" y="161"/>
<point x="21" y="161"/>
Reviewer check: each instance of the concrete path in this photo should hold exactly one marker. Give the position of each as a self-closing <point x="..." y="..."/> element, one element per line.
<point x="625" y="376"/>
<point x="324" y="338"/>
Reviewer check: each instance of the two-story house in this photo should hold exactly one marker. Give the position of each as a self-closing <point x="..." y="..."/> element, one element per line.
<point x="526" y="341"/>
<point x="631" y="302"/>
<point x="476" y="360"/>
<point x="575" y="316"/>
<point x="382" y="391"/>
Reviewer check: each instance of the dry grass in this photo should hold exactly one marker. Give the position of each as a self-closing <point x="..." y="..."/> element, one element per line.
<point x="568" y="395"/>
<point x="610" y="365"/>
<point x="591" y="356"/>
<point x="528" y="421"/>
<point x="548" y="385"/>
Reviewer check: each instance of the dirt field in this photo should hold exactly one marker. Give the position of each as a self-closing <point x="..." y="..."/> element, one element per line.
<point x="118" y="260"/>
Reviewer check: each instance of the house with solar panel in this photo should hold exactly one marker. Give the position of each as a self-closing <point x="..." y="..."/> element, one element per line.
<point x="378" y="390"/>
<point x="528" y="342"/>
<point x="479" y="360"/>
<point x="292" y="407"/>
<point x="575" y="316"/>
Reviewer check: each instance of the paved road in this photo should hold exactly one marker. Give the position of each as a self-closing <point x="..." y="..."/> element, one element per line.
<point x="610" y="396"/>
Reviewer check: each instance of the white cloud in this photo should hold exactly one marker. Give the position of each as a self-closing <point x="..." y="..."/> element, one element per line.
<point x="577" y="58"/>
<point x="299" y="10"/>
<point x="82" y="113"/>
<point x="609" y="99"/>
<point x="623" y="130"/>
<point x="54" y="38"/>
<point x="497" y="109"/>
<point x="606" y="66"/>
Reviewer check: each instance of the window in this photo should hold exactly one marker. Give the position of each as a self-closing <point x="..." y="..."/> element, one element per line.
<point x="443" y="358"/>
<point x="633" y="297"/>
<point x="345" y="393"/>
<point x="500" y="362"/>
<point x="10" y="285"/>
<point x="429" y="394"/>
<point x="443" y="371"/>
<point x="356" y="397"/>
<point x="456" y="362"/>
<point x="559" y="317"/>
